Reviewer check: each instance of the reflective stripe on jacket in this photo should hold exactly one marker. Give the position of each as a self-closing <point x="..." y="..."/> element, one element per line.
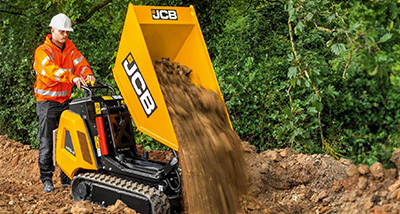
<point x="55" y="70"/>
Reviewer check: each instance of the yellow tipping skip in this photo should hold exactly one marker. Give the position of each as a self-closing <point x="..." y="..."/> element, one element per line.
<point x="151" y="33"/>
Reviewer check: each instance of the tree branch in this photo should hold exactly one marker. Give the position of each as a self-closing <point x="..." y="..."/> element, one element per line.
<point x="12" y="12"/>
<point x="92" y="11"/>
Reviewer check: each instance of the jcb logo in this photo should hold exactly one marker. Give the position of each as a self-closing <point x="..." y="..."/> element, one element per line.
<point x="139" y="85"/>
<point x="164" y="14"/>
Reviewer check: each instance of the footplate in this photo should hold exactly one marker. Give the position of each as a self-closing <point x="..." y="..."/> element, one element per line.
<point x="106" y="190"/>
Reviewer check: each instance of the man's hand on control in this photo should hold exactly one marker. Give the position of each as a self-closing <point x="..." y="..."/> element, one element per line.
<point x="91" y="79"/>
<point x="78" y="81"/>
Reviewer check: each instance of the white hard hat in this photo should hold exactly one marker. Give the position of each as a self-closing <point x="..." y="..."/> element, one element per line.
<point x="61" y="22"/>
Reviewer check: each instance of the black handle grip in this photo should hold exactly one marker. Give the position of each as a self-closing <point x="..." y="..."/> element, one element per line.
<point x="97" y="85"/>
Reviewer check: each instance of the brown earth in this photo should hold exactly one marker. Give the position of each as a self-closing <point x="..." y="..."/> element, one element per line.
<point x="282" y="181"/>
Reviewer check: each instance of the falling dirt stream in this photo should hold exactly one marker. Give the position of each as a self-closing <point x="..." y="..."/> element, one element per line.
<point x="210" y="152"/>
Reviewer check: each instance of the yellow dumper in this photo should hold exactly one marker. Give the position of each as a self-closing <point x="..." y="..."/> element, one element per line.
<point x="95" y="145"/>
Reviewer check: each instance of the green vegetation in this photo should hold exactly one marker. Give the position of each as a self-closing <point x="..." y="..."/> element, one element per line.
<point x="318" y="76"/>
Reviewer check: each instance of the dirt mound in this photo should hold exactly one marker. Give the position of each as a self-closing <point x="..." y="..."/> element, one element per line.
<point x="282" y="181"/>
<point x="21" y="189"/>
<point x="209" y="150"/>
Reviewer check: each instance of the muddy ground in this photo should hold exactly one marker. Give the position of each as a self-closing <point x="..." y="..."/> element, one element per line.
<point x="282" y="181"/>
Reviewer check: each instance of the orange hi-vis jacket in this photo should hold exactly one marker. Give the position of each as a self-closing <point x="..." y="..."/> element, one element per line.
<point x="55" y="70"/>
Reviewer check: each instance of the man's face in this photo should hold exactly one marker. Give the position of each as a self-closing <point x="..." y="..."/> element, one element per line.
<point x="60" y="36"/>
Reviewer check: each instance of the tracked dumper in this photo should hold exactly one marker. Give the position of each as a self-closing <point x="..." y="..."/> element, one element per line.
<point x="95" y="143"/>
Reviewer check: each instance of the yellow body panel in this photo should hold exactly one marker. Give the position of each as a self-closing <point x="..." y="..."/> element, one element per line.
<point x="73" y="150"/>
<point x="151" y="33"/>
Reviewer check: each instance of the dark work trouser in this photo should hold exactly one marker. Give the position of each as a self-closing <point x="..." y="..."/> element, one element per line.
<point x="48" y="113"/>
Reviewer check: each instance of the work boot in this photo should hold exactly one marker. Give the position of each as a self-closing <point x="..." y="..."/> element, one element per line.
<point x="48" y="186"/>
<point x="65" y="181"/>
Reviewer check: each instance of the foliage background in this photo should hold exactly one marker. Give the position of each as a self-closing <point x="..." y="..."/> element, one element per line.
<point x="317" y="76"/>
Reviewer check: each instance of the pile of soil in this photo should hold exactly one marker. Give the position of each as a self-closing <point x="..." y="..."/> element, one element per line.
<point x="21" y="190"/>
<point x="282" y="181"/>
<point x="210" y="153"/>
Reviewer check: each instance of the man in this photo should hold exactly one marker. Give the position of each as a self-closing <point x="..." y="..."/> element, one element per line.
<point x="59" y="66"/>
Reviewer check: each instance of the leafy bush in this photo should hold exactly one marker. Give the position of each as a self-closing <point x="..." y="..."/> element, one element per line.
<point x="251" y="63"/>
<point x="297" y="75"/>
